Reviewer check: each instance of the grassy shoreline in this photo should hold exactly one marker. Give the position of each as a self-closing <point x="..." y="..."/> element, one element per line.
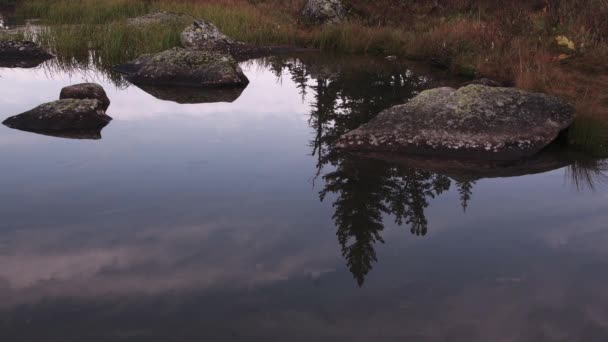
<point x="554" y="46"/>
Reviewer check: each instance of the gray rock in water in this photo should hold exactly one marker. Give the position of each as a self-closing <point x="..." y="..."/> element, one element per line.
<point x="324" y="12"/>
<point x="14" y="54"/>
<point x="206" y="36"/>
<point x="86" y="91"/>
<point x="62" y="116"/>
<point x="475" y="121"/>
<point x="185" y="67"/>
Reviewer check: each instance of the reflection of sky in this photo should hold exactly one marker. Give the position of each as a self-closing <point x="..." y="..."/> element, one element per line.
<point x="208" y="214"/>
<point x="264" y="98"/>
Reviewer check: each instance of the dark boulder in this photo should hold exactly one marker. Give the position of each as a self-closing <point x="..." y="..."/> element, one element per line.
<point x="16" y="54"/>
<point x="475" y="121"/>
<point x="185" y="67"/>
<point x="86" y="91"/>
<point x="62" y="117"/>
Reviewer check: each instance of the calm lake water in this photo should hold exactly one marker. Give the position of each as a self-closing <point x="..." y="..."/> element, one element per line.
<point x="239" y="222"/>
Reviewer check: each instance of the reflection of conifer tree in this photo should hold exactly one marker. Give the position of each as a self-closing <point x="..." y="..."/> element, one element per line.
<point x="299" y="77"/>
<point x="365" y="190"/>
<point x="321" y="118"/>
<point x="465" y="189"/>
<point x="360" y="187"/>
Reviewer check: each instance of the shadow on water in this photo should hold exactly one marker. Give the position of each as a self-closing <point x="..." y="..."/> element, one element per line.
<point x="369" y="187"/>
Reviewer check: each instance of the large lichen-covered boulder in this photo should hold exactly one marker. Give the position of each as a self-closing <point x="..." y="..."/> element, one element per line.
<point x="185" y="67"/>
<point x="206" y="36"/>
<point x="324" y="12"/>
<point x="475" y="121"/>
<point x="68" y="115"/>
<point x="22" y="54"/>
<point x="86" y="91"/>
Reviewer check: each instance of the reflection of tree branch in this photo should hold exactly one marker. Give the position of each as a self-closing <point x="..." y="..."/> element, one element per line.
<point x="465" y="189"/>
<point x="368" y="189"/>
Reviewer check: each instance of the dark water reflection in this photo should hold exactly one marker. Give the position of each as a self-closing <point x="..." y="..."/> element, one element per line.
<point x="234" y="221"/>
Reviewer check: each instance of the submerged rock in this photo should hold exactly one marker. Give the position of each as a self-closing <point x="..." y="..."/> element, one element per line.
<point x="475" y="121"/>
<point x="324" y="12"/>
<point x="86" y="91"/>
<point x="185" y="67"/>
<point x="15" y="54"/>
<point x="62" y="116"/>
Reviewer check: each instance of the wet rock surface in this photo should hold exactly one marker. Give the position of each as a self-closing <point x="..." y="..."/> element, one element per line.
<point x="475" y="121"/>
<point x="185" y="67"/>
<point x="86" y="91"/>
<point x="324" y="12"/>
<point x="62" y="117"/>
<point x="22" y="54"/>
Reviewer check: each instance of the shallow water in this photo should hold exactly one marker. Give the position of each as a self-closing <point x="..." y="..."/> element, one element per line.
<point x="239" y="222"/>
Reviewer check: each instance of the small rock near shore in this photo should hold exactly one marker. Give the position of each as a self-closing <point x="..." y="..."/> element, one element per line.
<point x="206" y="36"/>
<point x="474" y="121"/>
<point x="86" y="91"/>
<point x="324" y="12"/>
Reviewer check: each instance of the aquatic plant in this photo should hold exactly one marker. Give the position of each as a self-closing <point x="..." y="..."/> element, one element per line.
<point x="590" y="135"/>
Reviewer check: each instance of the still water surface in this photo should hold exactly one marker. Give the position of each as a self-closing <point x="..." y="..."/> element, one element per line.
<point x="239" y="222"/>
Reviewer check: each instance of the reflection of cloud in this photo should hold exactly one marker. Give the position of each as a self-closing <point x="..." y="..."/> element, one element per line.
<point x="40" y="264"/>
